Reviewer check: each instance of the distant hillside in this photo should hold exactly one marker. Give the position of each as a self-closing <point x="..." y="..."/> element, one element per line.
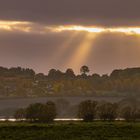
<point x="21" y="82"/>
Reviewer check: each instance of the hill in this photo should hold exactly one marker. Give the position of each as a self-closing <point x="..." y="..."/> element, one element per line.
<point x="21" y="82"/>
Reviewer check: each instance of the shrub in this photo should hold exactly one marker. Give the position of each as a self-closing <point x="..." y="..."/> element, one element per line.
<point x="87" y="110"/>
<point x="107" y="111"/>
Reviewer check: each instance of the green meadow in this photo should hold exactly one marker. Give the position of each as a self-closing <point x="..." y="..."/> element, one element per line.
<point x="70" y="131"/>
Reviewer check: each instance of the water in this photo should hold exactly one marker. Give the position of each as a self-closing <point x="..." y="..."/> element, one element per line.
<point x="58" y="119"/>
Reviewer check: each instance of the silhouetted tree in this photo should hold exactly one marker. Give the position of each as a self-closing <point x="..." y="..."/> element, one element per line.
<point x="52" y="73"/>
<point x="41" y="112"/>
<point x="69" y="73"/>
<point x="107" y="111"/>
<point x="40" y="76"/>
<point x="87" y="110"/>
<point x="84" y="70"/>
<point x="96" y="76"/>
<point x="130" y="114"/>
<point x="49" y="112"/>
<point x="55" y="74"/>
<point x="33" y="111"/>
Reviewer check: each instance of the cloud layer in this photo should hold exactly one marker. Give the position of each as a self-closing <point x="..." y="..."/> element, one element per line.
<point x="79" y="12"/>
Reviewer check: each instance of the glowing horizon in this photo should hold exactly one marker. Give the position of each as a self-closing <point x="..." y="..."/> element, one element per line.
<point x="15" y="25"/>
<point x="26" y="26"/>
<point x="128" y="30"/>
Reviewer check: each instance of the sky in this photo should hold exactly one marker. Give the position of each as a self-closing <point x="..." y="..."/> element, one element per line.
<point x="61" y="34"/>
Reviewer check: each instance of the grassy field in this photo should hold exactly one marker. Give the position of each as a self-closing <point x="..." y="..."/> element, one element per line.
<point x="70" y="131"/>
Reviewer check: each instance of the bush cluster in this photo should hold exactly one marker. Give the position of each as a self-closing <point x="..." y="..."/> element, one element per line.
<point x="91" y="110"/>
<point x="37" y="112"/>
<point x="87" y="110"/>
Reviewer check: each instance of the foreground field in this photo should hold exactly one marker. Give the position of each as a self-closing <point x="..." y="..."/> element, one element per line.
<point x="70" y="131"/>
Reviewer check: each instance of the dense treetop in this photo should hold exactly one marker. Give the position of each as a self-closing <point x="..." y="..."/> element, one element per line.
<point x="24" y="82"/>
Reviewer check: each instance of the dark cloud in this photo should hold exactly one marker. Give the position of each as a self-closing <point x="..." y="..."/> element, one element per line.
<point x="83" y="12"/>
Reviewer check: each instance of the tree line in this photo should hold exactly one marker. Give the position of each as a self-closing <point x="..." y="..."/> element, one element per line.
<point x="88" y="110"/>
<point x="21" y="82"/>
<point x="106" y="111"/>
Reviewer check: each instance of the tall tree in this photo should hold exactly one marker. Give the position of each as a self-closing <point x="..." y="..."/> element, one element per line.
<point x="84" y="70"/>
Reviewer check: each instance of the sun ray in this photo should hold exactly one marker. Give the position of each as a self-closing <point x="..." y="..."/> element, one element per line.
<point x="58" y="54"/>
<point x="80" y="56"/>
